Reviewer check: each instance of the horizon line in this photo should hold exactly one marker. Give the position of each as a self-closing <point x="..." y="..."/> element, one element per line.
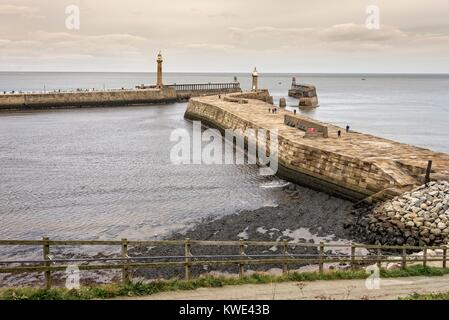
<point x="226" y="72"/>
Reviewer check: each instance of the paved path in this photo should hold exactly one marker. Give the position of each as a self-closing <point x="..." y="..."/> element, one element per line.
<point x="336" y="289"/>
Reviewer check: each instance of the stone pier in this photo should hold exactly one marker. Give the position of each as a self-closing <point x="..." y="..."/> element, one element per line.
<point x="354" y="165"/>
<point x="30" y="101"/>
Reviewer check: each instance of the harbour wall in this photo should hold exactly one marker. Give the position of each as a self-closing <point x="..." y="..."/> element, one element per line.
<point x="355" y="166"/>
<point x="24" y="101"/>
<point x="140" y="95"/>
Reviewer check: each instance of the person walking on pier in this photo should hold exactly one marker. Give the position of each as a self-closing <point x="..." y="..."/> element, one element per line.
<point x="339" y="133"/>
<point x="347" y="128"/>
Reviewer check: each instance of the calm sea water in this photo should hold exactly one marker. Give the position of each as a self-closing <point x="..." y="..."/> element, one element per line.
<point x="105" y="172"/>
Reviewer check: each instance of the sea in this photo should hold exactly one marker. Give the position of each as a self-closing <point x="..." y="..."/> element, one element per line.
<point x="105" y="173"/>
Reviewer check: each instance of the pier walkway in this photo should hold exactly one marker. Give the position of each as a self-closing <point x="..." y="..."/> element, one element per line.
<point x="355" y="161"/>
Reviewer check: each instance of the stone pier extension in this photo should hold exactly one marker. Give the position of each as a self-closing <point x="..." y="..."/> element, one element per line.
<point x="353" y="166"/>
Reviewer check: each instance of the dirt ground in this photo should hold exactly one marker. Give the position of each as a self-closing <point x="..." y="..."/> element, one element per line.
<point x="387" y="289"/>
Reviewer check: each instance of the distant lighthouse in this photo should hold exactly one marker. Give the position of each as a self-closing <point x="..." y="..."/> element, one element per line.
<point x="159" y="61"/>
<point x="255" y="85"/>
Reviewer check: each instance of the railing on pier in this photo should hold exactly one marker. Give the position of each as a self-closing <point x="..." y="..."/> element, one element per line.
<point x="206" y="86"/>
<point x="126" y="263"/>
<point x="55" y="91"/>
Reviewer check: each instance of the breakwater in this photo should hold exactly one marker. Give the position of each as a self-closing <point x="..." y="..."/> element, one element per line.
<point x="420" y="216"/>
<point x="140" y="95"/>
<point x="353" y="165"/>
<point x="24" y="101"/>
<point x="305" y="93"/>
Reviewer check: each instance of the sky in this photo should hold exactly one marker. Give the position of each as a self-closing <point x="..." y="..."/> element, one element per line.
<point x="292" y="36"/>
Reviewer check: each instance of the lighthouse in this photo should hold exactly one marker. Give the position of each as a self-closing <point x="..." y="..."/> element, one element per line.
<point x="159" y="61"/>
<point x="255" y="75"/>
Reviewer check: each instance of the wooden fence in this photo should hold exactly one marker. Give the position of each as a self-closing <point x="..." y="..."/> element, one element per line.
<point x="126" y="263"/>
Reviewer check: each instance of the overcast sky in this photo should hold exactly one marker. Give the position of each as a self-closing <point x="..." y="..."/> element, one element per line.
<point x="226" y="36"/>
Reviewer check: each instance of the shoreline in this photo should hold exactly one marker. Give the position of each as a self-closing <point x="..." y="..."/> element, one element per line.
<point x="310" y="217"/>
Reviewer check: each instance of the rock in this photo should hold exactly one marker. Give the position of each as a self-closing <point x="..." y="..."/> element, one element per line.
<point x="435" y="231"/>
<point x="416" y="209"/>
<point x="393" y="266"/>
<point x="420" y="215"/>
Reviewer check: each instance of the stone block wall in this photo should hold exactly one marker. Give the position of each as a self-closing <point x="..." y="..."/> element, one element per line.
<point x="337" y="171"/>
<point x="79" y="99"/>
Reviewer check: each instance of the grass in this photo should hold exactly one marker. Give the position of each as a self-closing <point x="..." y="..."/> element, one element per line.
<point x="143" y="289"/>
<point x="427" y="296"/>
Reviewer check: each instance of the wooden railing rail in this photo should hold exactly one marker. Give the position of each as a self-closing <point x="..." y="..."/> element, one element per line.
<point x="241" y="259"/>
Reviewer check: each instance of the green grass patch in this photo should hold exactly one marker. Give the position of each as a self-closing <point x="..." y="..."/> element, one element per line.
<point x="427" y="296"/>
<point x="149" y="288"/>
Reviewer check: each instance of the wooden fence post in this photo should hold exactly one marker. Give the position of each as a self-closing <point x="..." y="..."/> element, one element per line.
<point x="352" y="256"/>
<point x="242" y="254"/>
<point x="187" y="259"/>
<point x="125" y="271"/>
<point x="428" y="172"/>
<point x="424" y="262"/>
<point x="46" y="252"/>
<point x="321" y="266"/>
<point x="444" y="257"/>
<point x="379" y="258"/>
<point x="404" y="258"/>
<point x="285" y="265"/>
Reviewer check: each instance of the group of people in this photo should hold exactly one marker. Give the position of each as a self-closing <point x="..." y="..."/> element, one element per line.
<point x="339" y="131"/>
<point x="272" y="110"/>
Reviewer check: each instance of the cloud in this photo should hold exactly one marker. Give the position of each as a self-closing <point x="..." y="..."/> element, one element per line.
<point x="207" y="46"/>
<point x="347" y="36"/>
<point x="70" y="45"/>
<point x="22" y="11"/>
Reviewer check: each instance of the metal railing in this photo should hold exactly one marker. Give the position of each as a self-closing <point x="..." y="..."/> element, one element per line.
<point x="205" y="86"/>
<point x="126" y="263"/>
<point x="57" y="91"/>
